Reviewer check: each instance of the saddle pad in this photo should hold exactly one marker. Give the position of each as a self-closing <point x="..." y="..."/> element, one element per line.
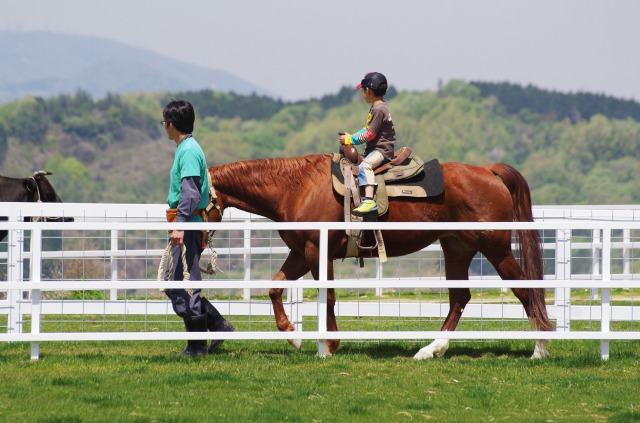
<point x="413" y="166"/>
<point x="428" y="183"/>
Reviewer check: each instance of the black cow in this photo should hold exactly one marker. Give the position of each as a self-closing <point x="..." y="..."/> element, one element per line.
<point x="36" y="188"/>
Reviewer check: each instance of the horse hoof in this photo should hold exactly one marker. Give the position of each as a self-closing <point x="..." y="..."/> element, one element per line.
<point x="332" y="346"/>
<point x="423" y="354"/>
<point x="540" y="351"/>
<point x="539" y="354"/>
<point x="295" y="343"/>
<point x="437" y="348"/>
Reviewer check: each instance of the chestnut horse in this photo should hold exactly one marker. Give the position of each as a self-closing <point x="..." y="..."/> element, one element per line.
<point x="299" y="189"/>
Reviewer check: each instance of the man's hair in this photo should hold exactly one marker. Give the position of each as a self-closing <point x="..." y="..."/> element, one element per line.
<point x="181" y="114"/>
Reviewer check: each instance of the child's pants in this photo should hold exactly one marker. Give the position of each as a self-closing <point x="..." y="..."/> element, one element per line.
<point x="365" y="169"/>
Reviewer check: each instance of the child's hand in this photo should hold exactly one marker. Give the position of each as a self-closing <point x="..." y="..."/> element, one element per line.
<point x="344" y="138"/>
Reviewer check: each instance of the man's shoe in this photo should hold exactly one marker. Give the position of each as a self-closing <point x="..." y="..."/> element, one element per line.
<point x="215" y="323"/>
<point x="196" y="346"/>
<point x="366" y="206"/>
<point x="217" y="343"/>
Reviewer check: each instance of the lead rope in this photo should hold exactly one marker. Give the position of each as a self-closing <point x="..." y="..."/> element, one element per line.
<point x="212" y="266"/>
<point x="185" y="271"/>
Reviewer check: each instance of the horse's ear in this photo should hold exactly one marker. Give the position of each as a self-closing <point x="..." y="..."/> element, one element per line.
<point x="29" y="185"/>
<point x="40" y="173"/>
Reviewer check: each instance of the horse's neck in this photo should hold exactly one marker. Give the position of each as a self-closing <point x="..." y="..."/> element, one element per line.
<point x="251" y="199"/>
<point x="267" y="187"/>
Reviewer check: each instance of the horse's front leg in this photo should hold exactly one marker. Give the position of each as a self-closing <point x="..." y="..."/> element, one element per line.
<point x="313" y="257"/>
<point x="332" y="323"/>
<point x="294" y="268"/>
<point x="458" y="299"/>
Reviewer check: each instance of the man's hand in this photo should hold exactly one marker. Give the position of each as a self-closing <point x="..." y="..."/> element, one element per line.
<point x="177" y="238"/>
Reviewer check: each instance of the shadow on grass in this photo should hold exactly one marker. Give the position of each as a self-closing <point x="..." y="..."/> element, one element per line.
<point x="400" y="350"/>
<point x="154" y="352"/>
<point x="572" y="354"/>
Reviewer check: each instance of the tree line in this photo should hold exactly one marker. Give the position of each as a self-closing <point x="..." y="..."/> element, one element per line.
<point x="556" y="105"/>
<point x="572" y="148"/>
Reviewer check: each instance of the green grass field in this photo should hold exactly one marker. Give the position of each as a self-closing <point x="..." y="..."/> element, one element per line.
<point x="364" y="382"/>
<point x="267" y="381"/>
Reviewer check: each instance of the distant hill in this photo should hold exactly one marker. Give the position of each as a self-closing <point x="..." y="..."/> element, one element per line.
<point x="47" y="64"/>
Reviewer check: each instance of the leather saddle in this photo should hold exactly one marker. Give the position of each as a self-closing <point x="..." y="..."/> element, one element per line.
<point x="403" y="176"/>
<point x="400" y="157"/>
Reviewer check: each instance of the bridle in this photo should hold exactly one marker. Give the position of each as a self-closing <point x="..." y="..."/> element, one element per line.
<point x="39" y="200"/>
<point x="213" y="198"/>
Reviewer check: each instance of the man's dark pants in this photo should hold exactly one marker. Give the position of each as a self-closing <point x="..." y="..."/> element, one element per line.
<point x="185" y="305"/>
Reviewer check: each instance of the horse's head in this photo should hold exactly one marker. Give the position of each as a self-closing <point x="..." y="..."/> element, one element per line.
<point x="39" y="189"/>
<point x="34" y="189"/>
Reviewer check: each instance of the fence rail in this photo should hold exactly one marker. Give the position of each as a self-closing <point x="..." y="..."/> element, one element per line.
<point x="601" y="236"/>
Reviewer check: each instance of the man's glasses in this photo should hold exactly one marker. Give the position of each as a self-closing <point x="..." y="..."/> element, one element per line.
<point x="163" y="122"/>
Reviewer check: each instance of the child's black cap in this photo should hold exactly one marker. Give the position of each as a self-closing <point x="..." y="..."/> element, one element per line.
<point x="373" y="80"/>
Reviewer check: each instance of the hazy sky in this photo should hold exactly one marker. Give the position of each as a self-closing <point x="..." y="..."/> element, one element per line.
<point x="300" y="49"/>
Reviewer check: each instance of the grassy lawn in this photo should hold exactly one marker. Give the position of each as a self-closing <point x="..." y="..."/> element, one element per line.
<point x="146" y="381"/>
<point x="364" y="382"/>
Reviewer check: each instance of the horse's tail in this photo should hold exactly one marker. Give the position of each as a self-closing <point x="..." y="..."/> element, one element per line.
<point x="529" y="243"/>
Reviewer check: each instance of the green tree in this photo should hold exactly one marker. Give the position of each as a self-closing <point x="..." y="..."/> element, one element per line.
<point x="72" y="184"/>
<point x="85" y="126"/>
<point x="29" y="120"/>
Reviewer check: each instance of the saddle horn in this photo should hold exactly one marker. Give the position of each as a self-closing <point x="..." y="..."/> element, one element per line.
<point x="350" y="153"/>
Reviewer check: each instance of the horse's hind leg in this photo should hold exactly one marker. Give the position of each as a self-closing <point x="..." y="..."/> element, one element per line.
<point x="524" y="295"/>
<point x="293" y="268"/>
<point x="457" y="258"/>
<point x="532" y="299"/>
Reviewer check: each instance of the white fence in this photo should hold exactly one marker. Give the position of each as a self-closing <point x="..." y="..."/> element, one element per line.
<point x="586" y="248"/>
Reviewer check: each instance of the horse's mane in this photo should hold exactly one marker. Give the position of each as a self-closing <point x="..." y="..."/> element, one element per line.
<point x="284" y="172"/>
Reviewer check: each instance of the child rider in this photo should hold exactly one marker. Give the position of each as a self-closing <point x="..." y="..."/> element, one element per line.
<point x="378" y="134"/>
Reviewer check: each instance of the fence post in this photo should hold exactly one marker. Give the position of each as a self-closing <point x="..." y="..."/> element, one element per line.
<point x="595" y="258"/>
<point x="626" y="252"/>
<point x="114" y="263"/>
<point x="15" y="246"/>
<point x="35" y="273"/>
<point x="563" y="271"/>
<point x="605" y="317"/>
<point x="322" y="292"/>
<point x="294" y="300"/>
<point x="247" y="261"/>
<point x="378" y="276"/>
